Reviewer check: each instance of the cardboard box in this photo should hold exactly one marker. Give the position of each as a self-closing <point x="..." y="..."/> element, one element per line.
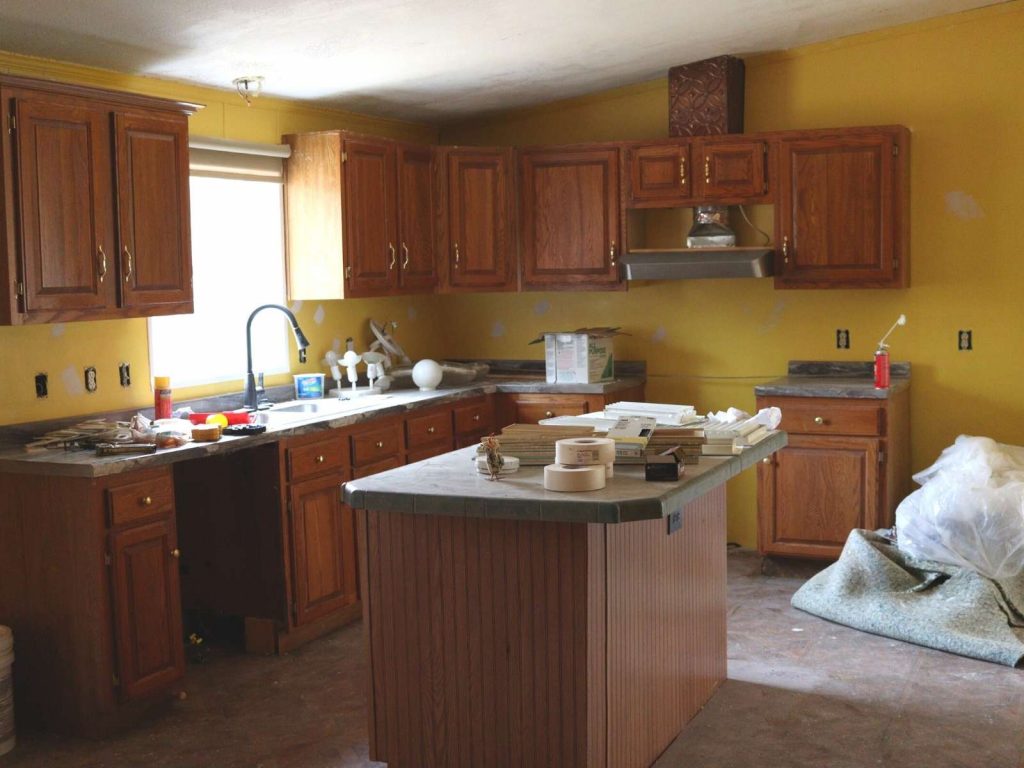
<point x="584" y="356"/>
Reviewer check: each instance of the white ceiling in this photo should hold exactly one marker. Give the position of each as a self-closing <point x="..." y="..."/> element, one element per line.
<point x="431" y="60"/>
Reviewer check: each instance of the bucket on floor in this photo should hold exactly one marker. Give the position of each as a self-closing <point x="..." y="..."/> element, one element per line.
<point x="6" y="691"/>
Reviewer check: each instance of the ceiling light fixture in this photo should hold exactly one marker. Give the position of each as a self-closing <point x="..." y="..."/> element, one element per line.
<point x="249" y="87"/>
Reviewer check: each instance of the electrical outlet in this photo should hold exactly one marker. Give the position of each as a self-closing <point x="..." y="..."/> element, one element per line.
<point x="124" y="371"/>
<point x="42" y="385"/>
<point x="90" y="379"/>
<point x="965" y="341"/>
<point x="842" y="338"/>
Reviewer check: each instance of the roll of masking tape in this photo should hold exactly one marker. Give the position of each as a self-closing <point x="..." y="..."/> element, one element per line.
<point x="573" y="479"/>
<point x="585" y="450"/>
<point x="609" y="469"/>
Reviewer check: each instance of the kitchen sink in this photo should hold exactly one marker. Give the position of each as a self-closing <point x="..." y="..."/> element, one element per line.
<point x="294" y="410"/>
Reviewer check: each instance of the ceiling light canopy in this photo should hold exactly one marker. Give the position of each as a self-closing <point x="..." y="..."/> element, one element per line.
<point x="249" y="87"/>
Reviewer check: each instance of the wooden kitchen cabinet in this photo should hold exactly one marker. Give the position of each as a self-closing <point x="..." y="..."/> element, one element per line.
<point x="570" y="218"/>
<point x="730" y="170"/>
<point x="479" y="240"/>
<point x="360" y="216"/>
<point x="660" y="173"/>
<point x="473" y="419"/>
<point x="323" y="548"/>
<point x="95" y="187"/>
<point x="842" y="211"/>
<point x="846" y="466"/>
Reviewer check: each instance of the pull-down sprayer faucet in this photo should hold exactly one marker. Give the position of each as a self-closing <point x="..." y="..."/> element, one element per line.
<point x="300" y="341"/>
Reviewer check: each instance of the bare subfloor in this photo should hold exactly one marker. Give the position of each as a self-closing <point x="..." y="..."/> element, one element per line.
<point x="801" y="693"/>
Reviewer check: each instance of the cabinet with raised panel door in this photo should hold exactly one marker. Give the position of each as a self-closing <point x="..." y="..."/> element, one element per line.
<point x="360" y="215"/>
<point x="569" y="217"/>
<point x="730" y="170"/>
<point x="478" y="239"/>
<point x="841" y="214"/>
<point x="659" y="173"/>
<point x="846" y="466"/>
<point x="95" y="189"/>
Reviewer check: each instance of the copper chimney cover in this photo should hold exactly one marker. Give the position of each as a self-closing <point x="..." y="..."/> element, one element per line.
<point x="706" y="97"/>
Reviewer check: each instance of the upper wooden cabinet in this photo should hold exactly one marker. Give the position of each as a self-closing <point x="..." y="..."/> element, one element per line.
<point x="714" y="170"/>
<point x="478" y="243"/>
<point x="360" y="216"/>
<point x="730" y="170"/>
<point x="96" y="205"/>
<point x="570" y="217"/>
<point x="841" y="214"/>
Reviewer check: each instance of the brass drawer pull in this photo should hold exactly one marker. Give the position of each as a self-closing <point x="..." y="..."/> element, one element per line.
<point x="818" y="420"/>
<point x="147" y="501"/>
<point x="548" y="414"/>
<point x="766" y="460"/>
<point x="431" y="430"/>
<point x="682" y="171"/>
<point x="476" y="417"/>
<point x="380" y="443"/>
<point x="320" y="459"/>
<point x="176" y="554"/>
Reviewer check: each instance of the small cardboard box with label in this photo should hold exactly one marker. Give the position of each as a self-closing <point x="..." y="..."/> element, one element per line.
<point x="583" y="356"/>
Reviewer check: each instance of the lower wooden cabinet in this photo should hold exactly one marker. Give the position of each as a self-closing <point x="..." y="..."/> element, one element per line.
<point x="147" y="607"/>
<point x="846" y="466"/>
<point x="322" y="533"/>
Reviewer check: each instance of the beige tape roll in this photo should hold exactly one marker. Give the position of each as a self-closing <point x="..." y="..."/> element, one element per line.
<point x="609" y="469"/>
<point x="572" y="479"/>
<point x="585" y="450"/>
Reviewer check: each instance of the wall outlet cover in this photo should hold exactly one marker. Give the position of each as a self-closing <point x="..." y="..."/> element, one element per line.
<point x="124" y="372"/>
<point x="965" y="341"/>
<point x="90" y="379"/>
<point x="42" y="385"/>
<point x="842" y="338"/>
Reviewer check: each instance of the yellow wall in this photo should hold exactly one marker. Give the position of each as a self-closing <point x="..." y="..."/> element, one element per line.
<point x="64" y="350"/>
<point x="956" y="82"/>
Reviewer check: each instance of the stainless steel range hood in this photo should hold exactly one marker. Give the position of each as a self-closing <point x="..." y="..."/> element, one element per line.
<point x="696" y="263"/>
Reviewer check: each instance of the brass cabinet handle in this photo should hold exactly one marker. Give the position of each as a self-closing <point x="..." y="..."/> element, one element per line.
<point x="147" y="501"/>
<point x="103" y="264"/>
<point x="785" y="249"/>
<point x="176" y="553"/>
<point x="682" y="171"/>
<point x="320" y="459"/>
<point x="476" y="417"/>
<point x="431" y="430"/>
<point x="766" y="460"/>
<point x="548" y="414"/>
<point x="818" y="420"/>
<point x="405" y="252"/>
<point x="380" y="444"/>
<point x="348" y="272"/>
<point x="128" y="269"/>
<point x="707" y="169"/>
<point x="456" y="255"/>
<point x="394" y="256"/>
<point x="611" y="253"/>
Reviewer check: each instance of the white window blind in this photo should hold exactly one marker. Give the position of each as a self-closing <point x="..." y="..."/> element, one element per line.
<point x="237" y="265"/>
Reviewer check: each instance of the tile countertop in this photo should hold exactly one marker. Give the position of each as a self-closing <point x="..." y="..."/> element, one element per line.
<point x="834" y="379"/>
<point x="450" y="485"/>
<point x="85" y="463"/>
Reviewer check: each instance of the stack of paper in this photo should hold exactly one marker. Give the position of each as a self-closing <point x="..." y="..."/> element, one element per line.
<point x="664" y="413"/>
<point x="534" y="444"/>
<point x="727" y="439"/>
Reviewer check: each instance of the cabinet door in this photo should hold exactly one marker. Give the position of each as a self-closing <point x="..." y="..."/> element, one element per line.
<point x="730" y="171"/>
<point x="416" y="211"/>
<point x="64" y="195"/>
<point x="147" y="607"/>
<point x="660" y="174"/>
<point x="155" y="255"/>
<point x="570" y="218"/>
<point x="814" y="491"/>
<point x="481" y="253"/>
<point x="837" y="212"/>
<point x="323" y="548"/>
<point x="371" y="255"/>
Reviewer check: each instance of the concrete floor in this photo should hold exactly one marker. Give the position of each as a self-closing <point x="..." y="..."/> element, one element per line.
<point x="801" y="692"/>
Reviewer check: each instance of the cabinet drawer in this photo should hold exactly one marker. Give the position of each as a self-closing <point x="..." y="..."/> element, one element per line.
<point x="391" y="462"/>
<point x="139" y="500"/>
<point x="375" y="445"/>
<point x="429" y="429"/>
<point x="825" y="416"/>
<point x="530" y="410"/>
<point x="474" y="418"/>
<point x="316" y="458"/>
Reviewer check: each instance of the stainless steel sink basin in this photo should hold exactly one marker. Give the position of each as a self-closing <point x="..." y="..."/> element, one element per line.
<point x="293" y="410"/>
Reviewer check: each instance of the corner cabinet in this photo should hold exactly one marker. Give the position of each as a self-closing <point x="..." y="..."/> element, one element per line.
<point x="360" y="216"/>
<point x="479" y="240"/>
<point x="95" y="204"/>
<point x="842" y="210"/>
<point x="846" y="466"/>
<point x="570" y="218"/>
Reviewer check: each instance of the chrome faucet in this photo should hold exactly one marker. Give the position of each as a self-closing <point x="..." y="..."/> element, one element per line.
<point x="301" y="342"/>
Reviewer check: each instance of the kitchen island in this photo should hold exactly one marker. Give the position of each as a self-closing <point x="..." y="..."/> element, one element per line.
<point x="509" y="625"/>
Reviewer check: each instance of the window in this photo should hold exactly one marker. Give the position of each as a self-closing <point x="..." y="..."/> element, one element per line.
<point x="237" y="265"/>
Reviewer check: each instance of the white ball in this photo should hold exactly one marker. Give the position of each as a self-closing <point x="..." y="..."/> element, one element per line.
<point x="426" y="375"/>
